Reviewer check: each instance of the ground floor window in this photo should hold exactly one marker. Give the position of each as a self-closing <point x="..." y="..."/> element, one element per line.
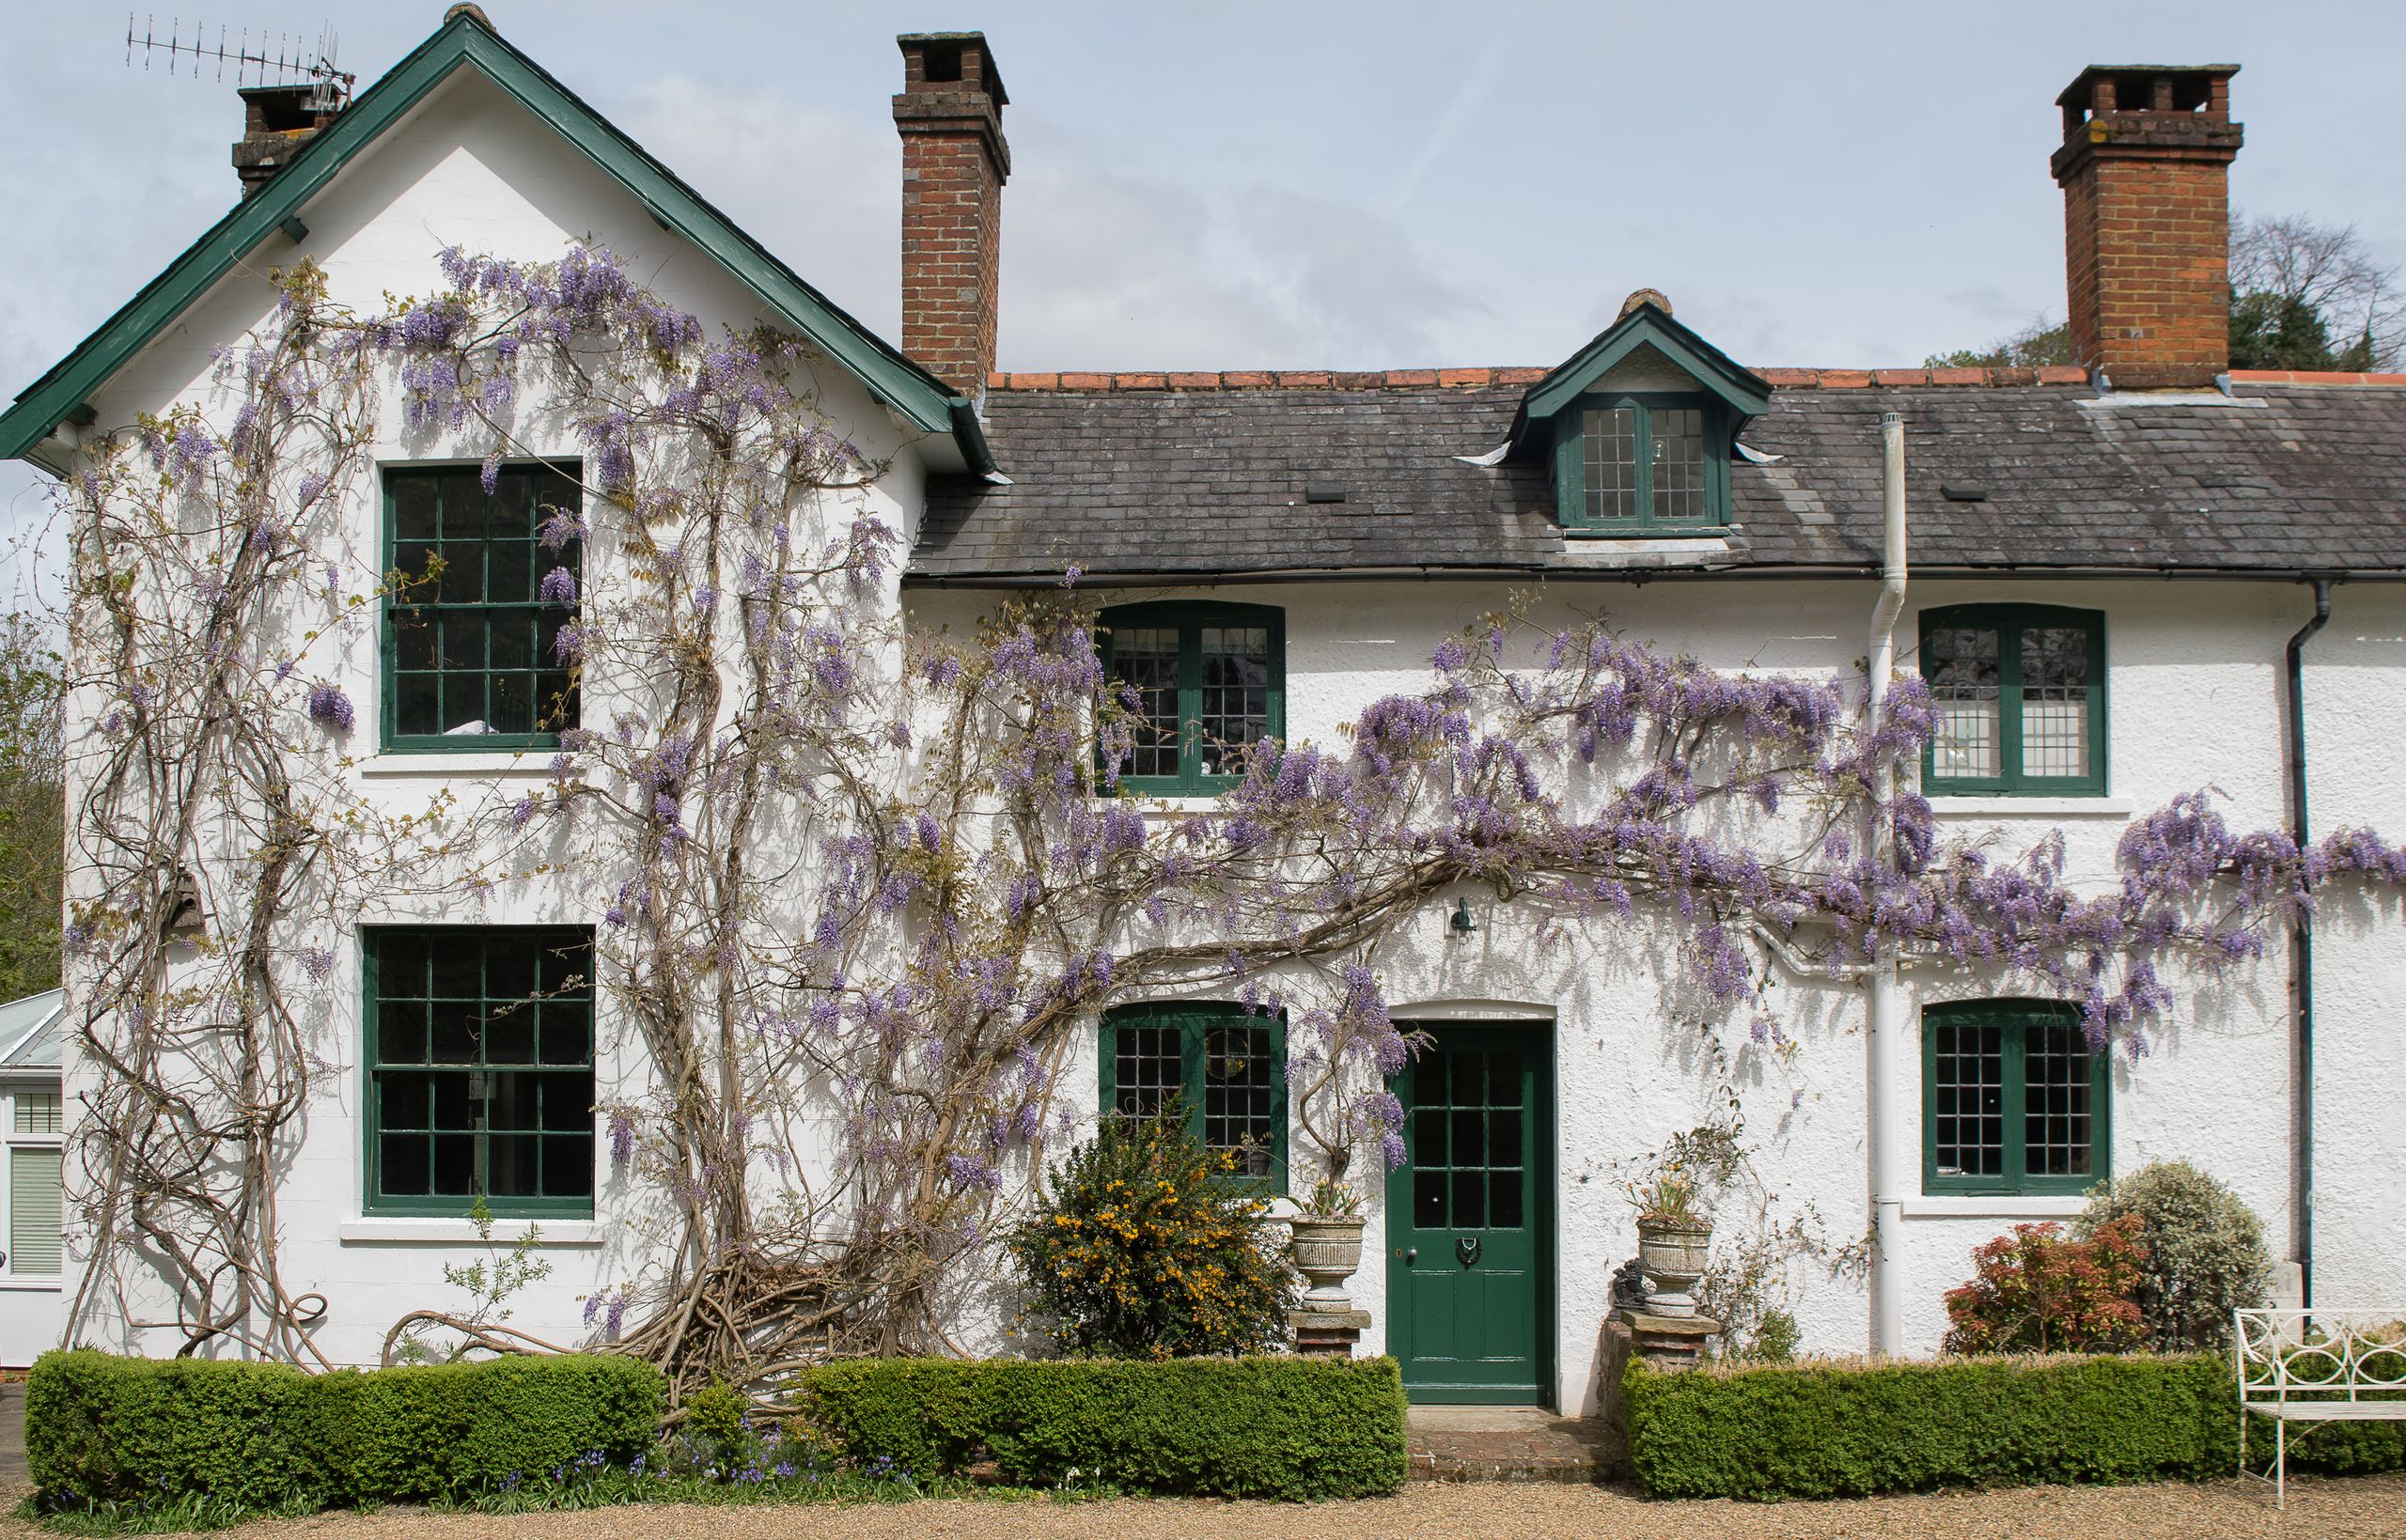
<point x="36" y="1162"/>
<point x="2013" y="1099"/>
<point x="1226" y="1068"/>
<point x="480" y="1077"/>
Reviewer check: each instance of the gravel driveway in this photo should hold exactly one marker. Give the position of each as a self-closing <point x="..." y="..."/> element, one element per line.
<point x="2373" y="1507"/>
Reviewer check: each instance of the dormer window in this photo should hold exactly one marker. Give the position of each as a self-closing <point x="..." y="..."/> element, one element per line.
<point x="1641" y="424"/>
<point x="1643" y="463"/>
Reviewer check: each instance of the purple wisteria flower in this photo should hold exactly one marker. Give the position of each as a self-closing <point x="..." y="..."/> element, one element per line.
<point x="329" y="706"/>
<point x="558" y="586"/>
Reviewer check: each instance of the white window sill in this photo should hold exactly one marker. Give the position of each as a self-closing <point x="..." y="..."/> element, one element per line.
<point x="2003" y="1206"/>
<point x="454" y="766"/>
<point x="30" y="1286"/>
<point x="415" y="1232"/>
<point x="2032" y="807"/>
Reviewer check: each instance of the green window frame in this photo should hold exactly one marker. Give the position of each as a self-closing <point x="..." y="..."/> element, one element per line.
<point x="1695" y="497"/>
<point x="2014" y="1100"/>
<point x="1950" y="765"/>
<point x="477" y="643"/>
<point x="1233" y="1100"/>
<point x="1202" y="685"/>
<point x="478" y="1050"/>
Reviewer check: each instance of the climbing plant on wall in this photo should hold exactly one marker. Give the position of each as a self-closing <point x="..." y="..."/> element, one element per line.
<point x="860" y="887"/>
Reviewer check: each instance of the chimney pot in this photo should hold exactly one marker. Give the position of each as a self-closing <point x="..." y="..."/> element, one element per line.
<point x="955" y="161"/>
<point x="2145" y="166"/>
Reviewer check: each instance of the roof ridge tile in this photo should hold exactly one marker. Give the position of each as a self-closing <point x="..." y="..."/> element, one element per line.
<point x="1475" y="378"/>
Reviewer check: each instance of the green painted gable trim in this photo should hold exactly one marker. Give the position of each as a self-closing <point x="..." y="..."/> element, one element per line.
<point x="1744" y="392"/>
<point x="922" y="399"/>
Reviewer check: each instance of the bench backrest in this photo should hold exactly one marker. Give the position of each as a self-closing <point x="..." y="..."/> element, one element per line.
<point x="2317" y="1354"/>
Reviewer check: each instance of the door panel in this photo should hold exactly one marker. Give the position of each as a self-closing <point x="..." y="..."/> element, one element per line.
<point x="1469" y="1218"/>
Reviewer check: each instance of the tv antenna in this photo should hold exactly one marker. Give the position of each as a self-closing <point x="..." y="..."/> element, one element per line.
<point x="291" y="63"/>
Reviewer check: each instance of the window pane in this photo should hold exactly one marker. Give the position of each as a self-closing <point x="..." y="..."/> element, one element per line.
<point x="1679" y="462"/>
<point x="1239" y="1089"/>
<point x="1236" y="694"/>
<point x="1611" y="463"/>
<point x="1967" y="1131"/>
<point x="1146" y="658"/>
<point x="37" y="1112"/>
<point x="1147" y="1071"/>
<point x="1961" y="667"/>
<point x="2055" y="1116"/>
<point x="2054" y="701"/>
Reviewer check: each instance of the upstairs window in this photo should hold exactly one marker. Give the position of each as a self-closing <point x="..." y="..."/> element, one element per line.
<point x="1643" y="464"/>
<point x="2013" y="1099"/>
<point x="1226" y="1068"/>
<point x="2019" y="694"/>
<point x="472" y="634"/>
<point x="1208" y="680"/>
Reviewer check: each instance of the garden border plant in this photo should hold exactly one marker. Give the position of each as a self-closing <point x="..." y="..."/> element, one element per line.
<point x="887" y="871"/>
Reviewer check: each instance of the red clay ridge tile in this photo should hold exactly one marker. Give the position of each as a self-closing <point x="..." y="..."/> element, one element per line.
<point x="1192" y="382"/>
<point x="2312" y="376"/>
<point x="1900" y="377"/>
<point x="1086" y="382"/>
<point x="1959" y="377"/>
<point x="1845" y="378"/>
<point x="1248" y="380"/>
<point x="1412" y="377"/>
<point x="1522" y="376"/>
<point x="2062" y="374"/>
<point x="1293" y="378"/>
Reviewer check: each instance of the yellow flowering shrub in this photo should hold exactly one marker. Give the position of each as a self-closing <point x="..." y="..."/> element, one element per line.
<point x="1143" y="1245"/>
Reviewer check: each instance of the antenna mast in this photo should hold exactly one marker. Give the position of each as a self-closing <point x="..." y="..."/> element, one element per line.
<point x="290" y="64"/>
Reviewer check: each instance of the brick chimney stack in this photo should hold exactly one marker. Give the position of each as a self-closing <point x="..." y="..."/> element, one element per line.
<point x="2146" y="173"/>
<point x="954" y="164"/>
<point x="276" y="122"/>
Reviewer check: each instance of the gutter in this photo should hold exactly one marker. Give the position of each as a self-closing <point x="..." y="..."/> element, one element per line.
<point x="2301" y="942"/>
<point x="1885" y="1007"/>
<point x="1521" y="571"/>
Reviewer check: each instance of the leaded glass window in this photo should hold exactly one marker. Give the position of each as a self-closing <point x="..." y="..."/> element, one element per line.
<point x="2018" y="692"/>
<point x="472" y="620"/>
<point x="1197" y="684"/>
<point x="1225" y="1068"/>
<point x="2013" y="1099"/>
<point x="1638" y="463"/>
<point x="480" y="1078"/>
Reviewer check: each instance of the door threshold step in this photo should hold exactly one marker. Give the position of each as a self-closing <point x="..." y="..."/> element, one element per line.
<point x="1510" y="1443"/>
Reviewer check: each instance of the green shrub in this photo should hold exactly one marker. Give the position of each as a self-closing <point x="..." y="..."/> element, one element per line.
<point x="101" y="1429"/>
<point x="2205" y="1252"/>
<point x="1293" y="1429"/>
<point x="2034" y="1292"/>
<point x="1139" y="1246"/>
<point x="1820" y="1430"/>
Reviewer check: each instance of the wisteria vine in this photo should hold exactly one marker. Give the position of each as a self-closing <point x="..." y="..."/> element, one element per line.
<point x="859" y="885"/>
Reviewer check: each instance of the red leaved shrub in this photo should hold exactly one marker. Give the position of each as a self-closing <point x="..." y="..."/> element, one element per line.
<point x="2036" y="1292"/>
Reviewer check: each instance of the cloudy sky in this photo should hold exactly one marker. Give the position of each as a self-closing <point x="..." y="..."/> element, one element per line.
<point x="1303" y="183"/>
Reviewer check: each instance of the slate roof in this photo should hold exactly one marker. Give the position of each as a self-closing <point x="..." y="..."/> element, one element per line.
<point x="1152" y="479"/>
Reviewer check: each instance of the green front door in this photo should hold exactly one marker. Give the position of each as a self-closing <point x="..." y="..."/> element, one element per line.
<point x="1470" y="1218"/>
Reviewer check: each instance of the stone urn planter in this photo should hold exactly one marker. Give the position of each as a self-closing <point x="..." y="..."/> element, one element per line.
<point x="1672" y="1252"/>
<point x="1327" y="1252"/>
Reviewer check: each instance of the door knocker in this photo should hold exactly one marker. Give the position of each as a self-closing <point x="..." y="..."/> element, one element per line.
<point x="1466" y="1247"/>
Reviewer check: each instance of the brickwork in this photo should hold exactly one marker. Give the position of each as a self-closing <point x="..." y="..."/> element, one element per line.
<point x="955" y="161"/>
<point x="2146" y="169"/>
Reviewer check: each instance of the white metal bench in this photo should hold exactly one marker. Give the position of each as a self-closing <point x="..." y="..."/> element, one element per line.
<point x="2316" y="1367"/>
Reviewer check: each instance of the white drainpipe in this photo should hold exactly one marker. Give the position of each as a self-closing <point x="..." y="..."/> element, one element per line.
<point x="1885" y="1015"/>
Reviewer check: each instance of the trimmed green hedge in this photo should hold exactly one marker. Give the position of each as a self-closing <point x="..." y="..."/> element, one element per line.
<point x="1832" y="1430"/>
<point x="1296" y="1428"/>
<point x="101" y="1427"/>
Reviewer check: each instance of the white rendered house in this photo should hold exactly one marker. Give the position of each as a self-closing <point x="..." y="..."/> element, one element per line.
<point x="2112" y="569"/>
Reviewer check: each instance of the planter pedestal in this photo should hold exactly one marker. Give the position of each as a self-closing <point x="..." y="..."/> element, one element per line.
<point x="1668" y="1343"/>
<point x="1331" y="1333"/>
